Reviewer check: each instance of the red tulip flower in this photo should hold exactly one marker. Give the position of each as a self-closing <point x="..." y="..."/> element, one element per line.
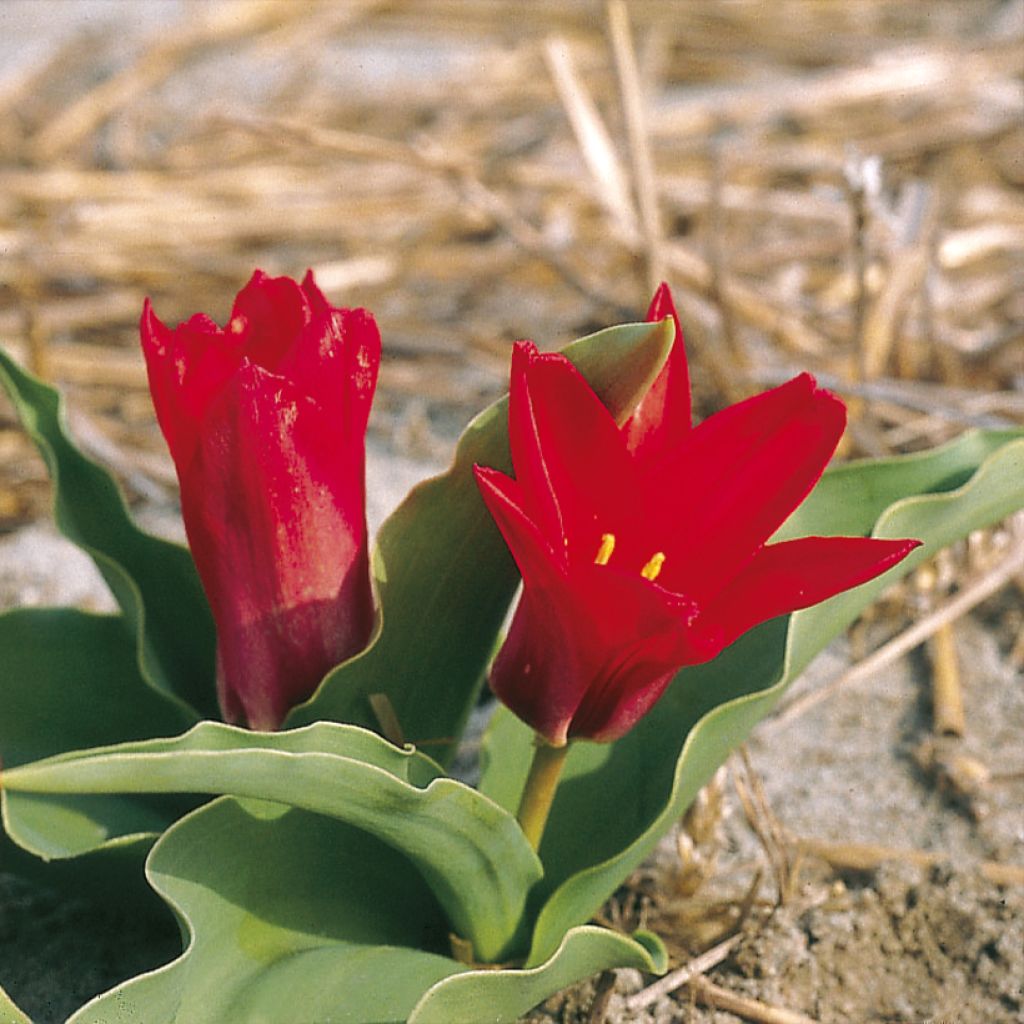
<point x="266" y="422"/>
<point x="644" y="549"/>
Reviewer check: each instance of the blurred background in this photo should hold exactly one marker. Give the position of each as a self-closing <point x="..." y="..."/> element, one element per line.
<point x="833" y="186"/>
<point x="830" y="186"/>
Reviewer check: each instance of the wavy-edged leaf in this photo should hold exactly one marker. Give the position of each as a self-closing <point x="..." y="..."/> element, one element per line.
<point x="471" y="852"/>
<point x="293" y="917"/>
<point x="445" y="576"/>
<point x="652" y="774"/>
<point x="504" y="996"/>
<point x="153" y="580"/>
<point x="290" y="917"/>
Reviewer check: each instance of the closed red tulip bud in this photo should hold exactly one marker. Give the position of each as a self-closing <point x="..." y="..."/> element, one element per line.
<point x="644" y="549"/>
<point x="266" y="422"/>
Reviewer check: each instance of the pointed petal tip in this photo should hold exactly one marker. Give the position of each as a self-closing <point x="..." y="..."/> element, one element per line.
<point x="316" y="298"/>
<point x="152" y="329"/>
<point x="524" y="352"/>
<point x="493" y="484"/>
<point x="483" y="474"/>
<point x="899" y="549"/>
<point x="804" y="387"/>
<point x="662" y="304"/>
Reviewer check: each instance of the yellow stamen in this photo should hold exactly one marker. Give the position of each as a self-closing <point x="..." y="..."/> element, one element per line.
<point x="653" y="567"/>
<point x="604" y="552"/>
<point x="237" y="325"/>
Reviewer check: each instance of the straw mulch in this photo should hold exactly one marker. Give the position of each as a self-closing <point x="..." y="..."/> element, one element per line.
<point x="835" y="187"/>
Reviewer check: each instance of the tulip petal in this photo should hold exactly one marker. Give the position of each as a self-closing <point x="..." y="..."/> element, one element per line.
<point x="566" y="449"/>
<point x="640" y="634"/>
<point x="795" y="574"/>
<point x="187" y="368"/>
<point x="335" y="362"/>
<point x="350" y="348"/>
<point x="562" y="666"/>
<point x="537" y="673"/>
<point x="270" y="313"/>
<point x="638" y="686"/>
<point x="273" y="507"/>
<point x="503" y="497"/>
<point x="317" y="300"/>
<point x="663" y="416"/>
<point x="737" y="477"/>
<point x="588" y="665"/>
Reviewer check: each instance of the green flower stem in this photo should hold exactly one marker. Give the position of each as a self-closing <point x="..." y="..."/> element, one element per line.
<point x="539" y="791"/>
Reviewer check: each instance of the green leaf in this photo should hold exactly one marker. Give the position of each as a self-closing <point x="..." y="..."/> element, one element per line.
<point x="445" y="576"/>
<point x="504" y="996"/>
<point x="850" y="497"/>
<point x="153" y="581"/>
<point x="652" y="774"/>
<point x="471" y="852"/>
<point x="993" y="492"/>
<point x="71" y="680"/>
<point x="291" y="917"/>
<point x="9" y="1013"/>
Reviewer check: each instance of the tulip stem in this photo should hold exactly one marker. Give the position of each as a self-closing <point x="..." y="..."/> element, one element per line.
<point x="539" y="791"/>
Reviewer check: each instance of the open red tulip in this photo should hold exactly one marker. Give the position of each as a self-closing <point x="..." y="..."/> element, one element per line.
<point x="643" y="549"/>
<point x="266" y="422"/>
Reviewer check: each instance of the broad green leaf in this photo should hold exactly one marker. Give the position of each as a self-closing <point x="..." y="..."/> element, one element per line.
<point x="153" y="581"/>
<point x="993" y="492"/>
<point x="445" y="577"/>
<point x="290" y="918"/>
<point x="652" y="774"/>
<point x="505" y="995"/>
<point x="9" y="1013"/>
<point x="471" y="852"/>
<point x="70" y="679"/>
<point x="850" y="497"/>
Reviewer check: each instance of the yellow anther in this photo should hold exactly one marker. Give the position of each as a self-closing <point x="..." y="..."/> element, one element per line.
<point x="604" y="552"/>
<point x="653" y="567"/>
<point x="237" y="324"/>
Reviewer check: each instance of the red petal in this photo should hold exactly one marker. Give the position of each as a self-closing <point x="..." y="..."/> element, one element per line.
<point x="737" y="477"/>
<point x="642" y="638"/>
<point x="317" y="300"/>
<point x="270" y="313"/>
<point x="187" y="368"/>
<point x="273" y="507"/>
<point x="588" y="652"/>
<point x="345" y="359"/>
<point x="663" y="416"/>
<point x="590" y="649"/>
<point x="537" y="673"/>
<point x="569" y="457"/>
<point x="335" y="361"/>
<point x="637" y="687"/>
<point x="796" y="574"/>
<point x="533" y="554"/>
